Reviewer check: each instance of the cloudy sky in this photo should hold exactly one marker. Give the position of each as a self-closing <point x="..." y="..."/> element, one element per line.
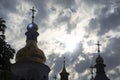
<point x="68" y="28"/>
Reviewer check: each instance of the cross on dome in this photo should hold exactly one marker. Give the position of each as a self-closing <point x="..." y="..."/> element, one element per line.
<point x="33" y="12"/>
<point x="98" y="44"/>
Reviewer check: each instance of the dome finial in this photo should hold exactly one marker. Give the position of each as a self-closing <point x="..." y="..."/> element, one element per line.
<point x="99" y="59"/>
<point x="98" y="44"/>
<point x="33" y="11"/>
<point x="64" y="62"/>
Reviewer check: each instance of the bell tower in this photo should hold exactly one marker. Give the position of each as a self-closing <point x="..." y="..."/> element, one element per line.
<point x="30" y="60"/>
<point x="100" y="72"/>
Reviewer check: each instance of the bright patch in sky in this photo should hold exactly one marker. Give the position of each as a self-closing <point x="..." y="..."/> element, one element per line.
<point x="60" y="41"/>
<point x="70" y="42"/>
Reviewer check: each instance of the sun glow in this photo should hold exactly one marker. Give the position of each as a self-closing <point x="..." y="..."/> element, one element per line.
<point x="69" y="41"/>
<point x="60" y="41"/>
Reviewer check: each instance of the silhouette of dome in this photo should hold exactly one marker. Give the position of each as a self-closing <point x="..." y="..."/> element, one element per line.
<point x="32" y="26"/>
<point x="99" y="59"/>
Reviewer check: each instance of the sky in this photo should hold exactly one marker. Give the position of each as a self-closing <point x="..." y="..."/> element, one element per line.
<point x="68" y="28"/>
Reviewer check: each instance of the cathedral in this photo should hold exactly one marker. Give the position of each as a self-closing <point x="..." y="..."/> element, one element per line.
<point x="30" y="60"/>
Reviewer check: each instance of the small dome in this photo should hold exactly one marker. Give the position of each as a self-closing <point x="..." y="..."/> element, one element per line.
<point x="32" y="26"/>
<point x="99" y="59"/>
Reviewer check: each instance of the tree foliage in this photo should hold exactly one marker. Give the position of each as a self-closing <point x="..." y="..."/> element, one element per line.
<point x="6" y="52"/>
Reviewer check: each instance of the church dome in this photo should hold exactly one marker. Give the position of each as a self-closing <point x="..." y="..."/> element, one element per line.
<point x="30" y="53"/>
<point x="32" y="26"/>
<point x="99" y="59"/>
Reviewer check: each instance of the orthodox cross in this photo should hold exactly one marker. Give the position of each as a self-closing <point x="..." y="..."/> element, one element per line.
<point x="55" y="77"/>
<point x="98" y="44"/>
<point x="33" y="11"/>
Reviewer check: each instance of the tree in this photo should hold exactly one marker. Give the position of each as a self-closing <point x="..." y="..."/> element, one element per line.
<point x="6" y="52"/>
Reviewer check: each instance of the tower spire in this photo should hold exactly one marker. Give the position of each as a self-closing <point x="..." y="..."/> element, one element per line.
<point x="33" y="12"/>
<point x="64" y="63"/>
<point x="64" y="74"/>
<point x="98" y="44"/>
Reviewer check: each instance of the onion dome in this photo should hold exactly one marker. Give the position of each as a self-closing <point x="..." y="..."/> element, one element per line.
<point x="30" y="53"/>
<point x="32" y="33"/>
<point x="32" y="26"/>
<point x="99" y="59"/>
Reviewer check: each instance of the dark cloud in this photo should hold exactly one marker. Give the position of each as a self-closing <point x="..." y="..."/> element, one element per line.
<point x="7" y="7"/>
<point x="65" y="18"/>
<point x="82" y="65"/>
<point x="64" y="3"/>
<point x="104" y="19"/>
<point x="112" y="53"/>
<point x="10" y="6"/>
<point x="106" y="22"/>
<point x="42" y="9"/>
<point x="93" y="3"/>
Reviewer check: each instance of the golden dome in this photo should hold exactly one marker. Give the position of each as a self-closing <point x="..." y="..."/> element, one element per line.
<point x="30" y="53"/>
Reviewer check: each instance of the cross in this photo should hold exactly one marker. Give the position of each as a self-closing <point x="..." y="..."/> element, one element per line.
<point x="33" y="11"/>
<point x="98" y="44"/>
<point x="55" y="77"/>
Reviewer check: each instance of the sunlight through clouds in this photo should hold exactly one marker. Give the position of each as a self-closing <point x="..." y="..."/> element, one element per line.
<point x="68" y="28"/>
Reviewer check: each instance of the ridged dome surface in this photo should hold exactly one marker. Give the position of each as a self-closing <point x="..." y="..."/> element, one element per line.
<point x="30" y="53"/>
